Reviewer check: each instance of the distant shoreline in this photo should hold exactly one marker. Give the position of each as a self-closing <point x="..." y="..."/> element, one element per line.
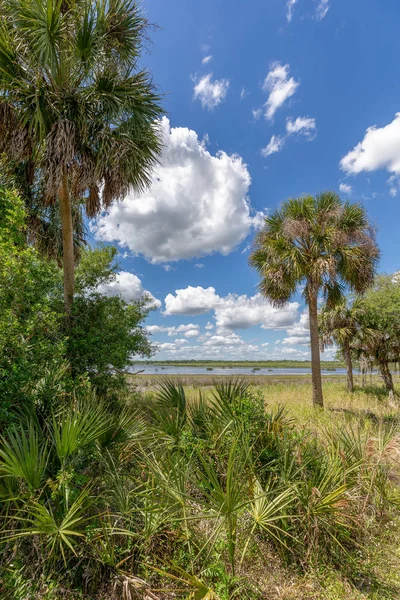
<point x="273" y="364"/>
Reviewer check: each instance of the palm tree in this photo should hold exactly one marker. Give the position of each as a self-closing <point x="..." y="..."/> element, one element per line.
<point x="341" y="324"/>
<point x="321" y="242"/>
<point x="74" y="107"/>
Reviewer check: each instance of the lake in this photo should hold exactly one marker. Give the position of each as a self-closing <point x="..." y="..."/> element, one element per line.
<point x="189" y="370"/>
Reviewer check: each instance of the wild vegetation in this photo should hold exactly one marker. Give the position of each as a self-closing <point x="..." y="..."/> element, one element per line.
<point x="218" y="489"/>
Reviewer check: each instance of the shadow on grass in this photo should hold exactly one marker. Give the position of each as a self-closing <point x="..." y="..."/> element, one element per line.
<point x="379" y="391"/>
<point x="366" y="414"/>
<point x="368" y="583"/>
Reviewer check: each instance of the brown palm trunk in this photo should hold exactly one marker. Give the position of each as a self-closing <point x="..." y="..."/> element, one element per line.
<point x="68" y="244"/>
<point x="349" y="367"/>
<point x="387" y="377"/>
<point x="315" y="356"/>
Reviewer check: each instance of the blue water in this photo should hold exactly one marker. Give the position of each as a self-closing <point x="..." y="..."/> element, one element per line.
<point x="188" y="370"/>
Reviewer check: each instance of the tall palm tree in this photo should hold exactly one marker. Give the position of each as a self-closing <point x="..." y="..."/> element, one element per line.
<point x="321" y="242"/>
<point x="74" y="105"/>
<point x="341" y="324"/>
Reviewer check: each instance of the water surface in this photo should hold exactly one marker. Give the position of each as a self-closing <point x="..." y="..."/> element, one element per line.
<point x="189" y="370"/>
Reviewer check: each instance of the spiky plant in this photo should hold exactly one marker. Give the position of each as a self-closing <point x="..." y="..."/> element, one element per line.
<point x="322" y="243"/>
<point x="75" y="108"/>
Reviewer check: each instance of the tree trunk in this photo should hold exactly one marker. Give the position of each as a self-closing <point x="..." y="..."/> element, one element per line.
<point x="387" y="377"/>
<point x="315" y="355"/>
<point x="68" y="244"/>
<point x="349" y="367"/>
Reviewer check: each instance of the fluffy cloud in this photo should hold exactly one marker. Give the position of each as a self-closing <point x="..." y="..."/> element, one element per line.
<point x="207" y="59"/>
<point x="299" y="333"/>
<point x="128" y="286"/>
<point x="190" y="301"/>
<point x="321" y="9"/>
<point x="289" y="9"/>
<point x="242" y="312"/>
<point x="276" y="144"/>
<point x="209" y="92"/>
<point x="190" y="330"/>
<point x="302" y="125"/>
<point x="209" y="325"/>
<point x="380" y="149"/>
<point x="232" y="311"/>
<point x="280" y="87"/>
<point x="345" y="188"/>
<point x="197" y="204"/>
<point x="191" y="333"/>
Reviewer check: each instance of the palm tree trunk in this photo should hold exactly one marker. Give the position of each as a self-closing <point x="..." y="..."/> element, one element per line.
<point x="349" y="367"/>
<point x="68" y="244"/>
<point x="387" y="377"/>
<point x="315" y="356"/>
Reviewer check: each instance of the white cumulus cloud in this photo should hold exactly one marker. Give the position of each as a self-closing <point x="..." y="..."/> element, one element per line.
<point x="191" y="301"/>
<point x="209" y="92"/>
<point x="380" y="149"/>
<point x="298" y="333"/>
<point x="128" y="286"/>
<point x="280" y="87"/>
<point x="207" y="59"/>
<point x="197" y="204"/>
<point x="232" y="311"/>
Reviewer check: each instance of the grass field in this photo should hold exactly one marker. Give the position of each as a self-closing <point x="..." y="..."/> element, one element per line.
<point x="294" y="393"/>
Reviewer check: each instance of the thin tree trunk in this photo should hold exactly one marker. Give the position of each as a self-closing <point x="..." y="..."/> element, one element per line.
<point x="315" y="355"/>
<point x="68" y="244"/>
<point x="387" y="377"/>
<point x="349" y="367"/>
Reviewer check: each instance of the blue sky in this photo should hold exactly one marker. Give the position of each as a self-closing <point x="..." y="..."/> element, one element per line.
<point x="265" y="100"/>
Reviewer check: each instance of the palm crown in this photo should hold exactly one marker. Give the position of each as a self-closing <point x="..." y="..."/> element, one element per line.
<point x="70" y="95"/>
<point x="318" y="240"/>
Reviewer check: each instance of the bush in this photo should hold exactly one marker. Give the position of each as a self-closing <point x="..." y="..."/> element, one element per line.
<point x="39" y="359"/>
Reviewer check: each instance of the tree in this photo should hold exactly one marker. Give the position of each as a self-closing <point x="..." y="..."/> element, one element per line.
<point x="321" y="242"/>
<point x="382" y="316"/>
<point x="76" y="113"/>
<point x="106" y="332"/>
<point x="340" y="325"/>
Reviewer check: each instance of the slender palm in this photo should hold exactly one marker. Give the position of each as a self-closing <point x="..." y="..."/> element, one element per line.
<point x="340" y="325"/>
<point x="75" y="106"/>
<point x="322" y="242"/>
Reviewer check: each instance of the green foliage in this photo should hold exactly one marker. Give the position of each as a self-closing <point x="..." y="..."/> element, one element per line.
<point x="121" y="503"/>
<point x="39" y="363"/>
<point x="30" y="340"/>
<point x="24" y="455"/>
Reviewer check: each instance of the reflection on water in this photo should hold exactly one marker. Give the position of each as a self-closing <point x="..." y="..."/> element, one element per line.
<point x="188" y="370"/>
